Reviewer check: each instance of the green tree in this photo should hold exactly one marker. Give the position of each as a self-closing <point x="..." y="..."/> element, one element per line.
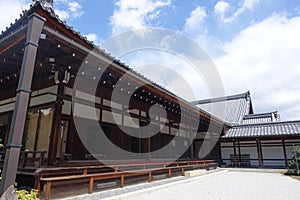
<point x="294" y="163"/>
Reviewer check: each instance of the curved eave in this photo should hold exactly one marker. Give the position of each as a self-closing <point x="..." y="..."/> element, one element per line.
<point x="17" y="32"/>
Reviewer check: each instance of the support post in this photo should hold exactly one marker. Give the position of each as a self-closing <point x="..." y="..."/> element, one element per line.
<point x="261" y="153"/>
<point x="234" y="154"/>
<point x="35" y="26"/>
<point x="149" y="147"/>
<point x="191" y="144"/>
<point x="258" y="153"/>
<point x="56" y="125"/>
<point x="239" y="150"/>
<point x="170" y="146"/>
<point x="284" y="153"/>
<point x="140" y="135"/>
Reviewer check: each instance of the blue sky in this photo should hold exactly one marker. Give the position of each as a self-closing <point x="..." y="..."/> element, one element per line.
<point x="254" y="44"/>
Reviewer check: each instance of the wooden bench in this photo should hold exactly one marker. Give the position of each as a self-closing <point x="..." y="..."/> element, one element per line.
<point x="67" y="171"/>
<point x="121" y="175"/>
<point x="242" y="160"/>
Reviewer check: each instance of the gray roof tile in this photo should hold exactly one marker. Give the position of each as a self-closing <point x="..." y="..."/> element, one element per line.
<point x="261" y="118"/>
<point x="231" y="109"/>
<point x="291" y="128"/>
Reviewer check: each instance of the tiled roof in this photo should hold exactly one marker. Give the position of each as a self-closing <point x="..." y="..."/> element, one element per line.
<point x="231" y="109"/>
<point x="261" y="118"/>
<point x="50" y="11"/>
<point x="77" y="33"/>
<point x="291" y="128"/>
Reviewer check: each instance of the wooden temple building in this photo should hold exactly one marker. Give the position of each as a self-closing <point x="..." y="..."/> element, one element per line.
<point x="253" y="140"/>
<point x="40" y="59"/>
<point x="49" y="125"/>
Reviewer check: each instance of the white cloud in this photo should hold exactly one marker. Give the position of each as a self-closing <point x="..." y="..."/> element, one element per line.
<point x="93" y="37"/>
<point x="169" y="71"/>
<point x="222" y="7"/>
<point x="63" y="15"/>
<point x="264" y="58"/>
<point x="135" y="14"/>
<point x="73" y="9"/>
<point x="196" y="17"/>
<point x="10" y="10"/>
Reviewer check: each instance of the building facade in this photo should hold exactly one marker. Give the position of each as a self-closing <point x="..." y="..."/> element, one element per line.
<point x="253" y="140"/>
<point x="54" y="107"/>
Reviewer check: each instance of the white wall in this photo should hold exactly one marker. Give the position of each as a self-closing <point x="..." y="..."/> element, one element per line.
<point x="34" y="100"/>
<point x="268" y="153"/>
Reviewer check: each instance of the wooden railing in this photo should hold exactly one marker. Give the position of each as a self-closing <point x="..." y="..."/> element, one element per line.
<point x="29" y="158"/>
<point x="65" y="178"/>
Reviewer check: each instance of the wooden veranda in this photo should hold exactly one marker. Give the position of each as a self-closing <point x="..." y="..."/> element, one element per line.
<point x="40" y="57"/>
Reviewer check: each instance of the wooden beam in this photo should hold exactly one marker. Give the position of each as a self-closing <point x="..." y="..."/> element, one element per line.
<point x="239" y="150"/>
<point x="56" y="125"/>
<point x="149" y="147"/>
<point x="261" y="154"/>
<point x="234" y="153"/>
<point x="35" y="25"/>
<point x="191" y="143"/>
<point x="258" y="153"/>
<point x="17" y="41"/>
<point x="284" y="153"/>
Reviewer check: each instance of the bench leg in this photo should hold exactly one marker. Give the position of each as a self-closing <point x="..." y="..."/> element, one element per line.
<point x="47" y="192"/>
<point x="150" y="176"/>
<point x="91" y="185"/>
<point x="38" y="185"/>
<point x="169" y="173"/>
<point x="84" y="172"/>
<point x="182" y="171"/>
<point x="122" y="181"/>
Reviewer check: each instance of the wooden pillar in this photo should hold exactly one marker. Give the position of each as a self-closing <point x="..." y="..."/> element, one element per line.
<point x="35" y="26"/>
<point x="258" y="153"/>
<point x="7" y="133"/>
<point x="234" y="153"/>
<point x="239" y="150"/>
<point x="171" y="146"/>
<point x="149" y="147"/>
<point x="261" y="154"/>
<point x="101" y="110"/>
<point x="56" y="125"/>
<point x="191" y="144"/>
<point x="122" y="115"/>
<point x="284" y="153"/>
<point x="37" y="133"/>
<point x="140" y="133"/>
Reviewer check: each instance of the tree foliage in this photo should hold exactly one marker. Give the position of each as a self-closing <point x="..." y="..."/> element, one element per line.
<point x="295" y="159"/>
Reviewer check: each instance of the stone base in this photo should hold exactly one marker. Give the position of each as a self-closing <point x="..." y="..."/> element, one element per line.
<point x="195" y="173"/>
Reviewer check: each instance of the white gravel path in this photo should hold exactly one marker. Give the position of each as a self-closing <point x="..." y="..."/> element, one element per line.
<point x="231" y="186"/>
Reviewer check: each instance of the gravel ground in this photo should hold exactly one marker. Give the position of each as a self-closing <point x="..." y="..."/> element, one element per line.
<point x="231" y="186"/>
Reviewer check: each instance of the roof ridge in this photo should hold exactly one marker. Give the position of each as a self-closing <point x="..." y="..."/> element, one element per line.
<point x="244" y="95"/>
<point x="259" y="114"/>
<point x="266" y="123"/>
